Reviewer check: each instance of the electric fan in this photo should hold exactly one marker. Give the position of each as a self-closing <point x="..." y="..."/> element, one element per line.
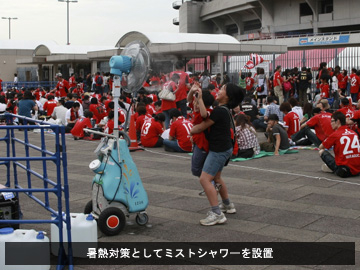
<point x="117" y="190"/>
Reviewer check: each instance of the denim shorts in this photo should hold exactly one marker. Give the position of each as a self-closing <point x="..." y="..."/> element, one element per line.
<point x="215" y="161"/>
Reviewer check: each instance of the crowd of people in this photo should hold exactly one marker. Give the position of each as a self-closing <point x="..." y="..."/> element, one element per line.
<point x="213" y="118"/>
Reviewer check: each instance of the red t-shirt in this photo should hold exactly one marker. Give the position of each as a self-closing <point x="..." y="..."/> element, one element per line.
<point x="78" y="91"/>
<point x="140" y="121"/>
<point x="72" y="81"/>
<point x="292" y="122"/>
<point x="184" y="80"/>
<point x="347" y="111"/>
<point x="180" y="130"/>
<point x="109" y="127"/>
<point x="199" y="139"/>
<point x="346" y="148"/>
<point x="166" y="104"/>
<point x="276" y="77"/>
<point x="78" y="129"/>
<point x="354" y="83"/>
<point x="150" y="132"/>
<point x="325" y="88"/>
<point x="49" y="106"/>
<point x="342" y="81"/>
<point x="150" y="109"/>
<point x="39" y="93"/>
<point x="249" y="83"/>
<point x="322" y="124"/>
<point x="98" y="112"/>
<point x="63" y="87"/>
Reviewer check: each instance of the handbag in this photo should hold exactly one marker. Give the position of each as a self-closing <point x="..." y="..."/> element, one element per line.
<point x="287" y="86"/>
<point x="166" y="94"/>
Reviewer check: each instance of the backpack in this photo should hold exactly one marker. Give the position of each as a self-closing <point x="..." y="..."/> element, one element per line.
<point x="99" y="80"/>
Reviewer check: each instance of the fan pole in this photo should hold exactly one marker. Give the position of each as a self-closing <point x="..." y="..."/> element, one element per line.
<point x="116" y="95"/>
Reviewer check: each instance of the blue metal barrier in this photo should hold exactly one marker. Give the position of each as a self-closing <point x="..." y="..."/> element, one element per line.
<point x="59" y="187"/>
<point x="45" y="84"/>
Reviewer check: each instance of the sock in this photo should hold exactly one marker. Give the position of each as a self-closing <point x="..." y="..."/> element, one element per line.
<point x="216" y="209"/>
<point x="226" y="201"/>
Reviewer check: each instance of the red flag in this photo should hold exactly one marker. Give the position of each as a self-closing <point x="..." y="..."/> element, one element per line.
<point x="249" y="64"/>
<point x="256" y="59"/>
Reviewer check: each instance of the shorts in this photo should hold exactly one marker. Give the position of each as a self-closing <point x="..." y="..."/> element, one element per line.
<point x="215" y="161"/>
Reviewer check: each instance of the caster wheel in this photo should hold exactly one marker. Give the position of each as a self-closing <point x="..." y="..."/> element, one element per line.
<point x="88" y="208"/>
<point x="111" y="221"/>
<point x="142" y="219"/>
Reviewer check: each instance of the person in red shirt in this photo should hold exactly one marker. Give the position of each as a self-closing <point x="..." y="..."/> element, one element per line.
<point x="354" y="85"/>
<point x="1" y="85"/>
<point x="277" y="83"/>
<point x="39" y="93"/>
<point x="320" y="122"/>
<point x="142" y="116"/>
<point x="99" y="80"/>
<point x="50" y="105"/>
<point x="78" y="90"/>
<point x="249" y="85"/>
<point x="343" y="81"/>
<point x="151" y="131"/>
<point x="291" y="119"/>
<point x="78" y="130"/>
<point x="325" y="89"/>
<point x="183" y="87"/>
<point x="346" y="109"/>
<point x="62" y="86"/>
<point x="72" y="82"/>
<point x="346" y="162"/>
<point x="167" y="105"/>
<point x="179" y="136"/>
<point x="97" y="110"/>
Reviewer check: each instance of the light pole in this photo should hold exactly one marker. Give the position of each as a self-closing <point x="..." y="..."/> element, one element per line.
<point x="9" y="18"/>
<point x="67" y="2"/>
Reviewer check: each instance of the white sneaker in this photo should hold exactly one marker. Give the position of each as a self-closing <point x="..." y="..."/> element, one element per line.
<point x="325" y="168"/>
<point x="228" y="209"/>
<point x="213" y="219"/>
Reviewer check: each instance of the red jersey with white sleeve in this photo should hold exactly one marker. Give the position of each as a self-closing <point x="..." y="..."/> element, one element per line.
<point x="276" y="77"/>
<point x="292" y="123"/>
<point x="166" y="104"/>
<point x="98" y="112"/>
<point x="109" y="127"/>
<point x="72" y="81"/>
<point x="151" y="130"/>
<point x="347" y="111"/>
<point x="249" y="83"/>
<point x="346" y="148"/>
<point x="39" y="94"/>
<point x="325" y="88"/>
<point x="153" y="97"/>
<point x="342" y="81"/>
<point x="150" y="109"/>
<point x="63" y="86"/>
<point x="180" y="130"/>
<point x="49" y="106"/>
<point x="322" y="124"/>
<point x="78" y="129"/>
<point x="184" y="80"/>
<point x="200" y="139"/>
<point x="354" y="83"/>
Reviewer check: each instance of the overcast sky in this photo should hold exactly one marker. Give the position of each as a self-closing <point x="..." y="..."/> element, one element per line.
<point x="92" y="22"/>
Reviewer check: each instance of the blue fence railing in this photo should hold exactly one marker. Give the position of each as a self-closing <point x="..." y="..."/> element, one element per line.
<point x="45" y="84"/>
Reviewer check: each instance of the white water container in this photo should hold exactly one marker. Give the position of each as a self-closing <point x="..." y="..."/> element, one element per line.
<point x="83" y="229"/>
<point x="11" y="235"/>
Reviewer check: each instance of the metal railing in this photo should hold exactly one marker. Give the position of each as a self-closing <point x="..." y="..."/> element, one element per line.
<point x="44" y="84"/>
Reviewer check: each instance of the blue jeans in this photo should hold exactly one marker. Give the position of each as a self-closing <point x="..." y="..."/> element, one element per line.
<point x="197" y="160"/>
<point x="182" y="106"/>
<point x="354" y="97"/>
<point x="173" y="145"/>
<point x="167" y="118"/>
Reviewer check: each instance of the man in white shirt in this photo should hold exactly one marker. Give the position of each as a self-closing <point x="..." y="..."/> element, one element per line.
<point x="59" y="113"/>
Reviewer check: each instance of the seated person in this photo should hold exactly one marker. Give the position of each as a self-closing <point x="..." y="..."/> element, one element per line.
<point x="151" y="131"/>
<point x="85" y="122"/>
<point x="71" y="116"/>
<point x="291" y="119"/>
<point x="246" y="137"/>
<point x="346" y="149"/>
<point x="277" y="136"/>
<point x="179" y="136"/>
<point x="320" y="122"/>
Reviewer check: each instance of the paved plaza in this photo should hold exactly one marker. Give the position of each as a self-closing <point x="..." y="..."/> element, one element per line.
<point x="278" y="199"/>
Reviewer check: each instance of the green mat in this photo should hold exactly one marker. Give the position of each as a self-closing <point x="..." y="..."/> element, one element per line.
<point x="265" y="154"/>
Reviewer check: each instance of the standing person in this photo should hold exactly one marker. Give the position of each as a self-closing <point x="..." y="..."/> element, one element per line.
<point x="183" y="87"/>
<point x="72" y="82"/>
<point x="220" y="150"/>
<point x="167" y="105"/>
<point x="1" y="85"/>
<point x="62" y="86"/>
<point x="346" y="149"/>
<point x="304" y="81"/>
<point x="277" y="83"/>
<point x="286" y="85"/>
<point x="354" y="85"/>
<point x="16" y="80"/>
<point x="249" y="85"/>
<point x="99" y="83"/>
<point x="262" y="82"/>
<point x="205" y="80"/>
<point x="343" y="82"/>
